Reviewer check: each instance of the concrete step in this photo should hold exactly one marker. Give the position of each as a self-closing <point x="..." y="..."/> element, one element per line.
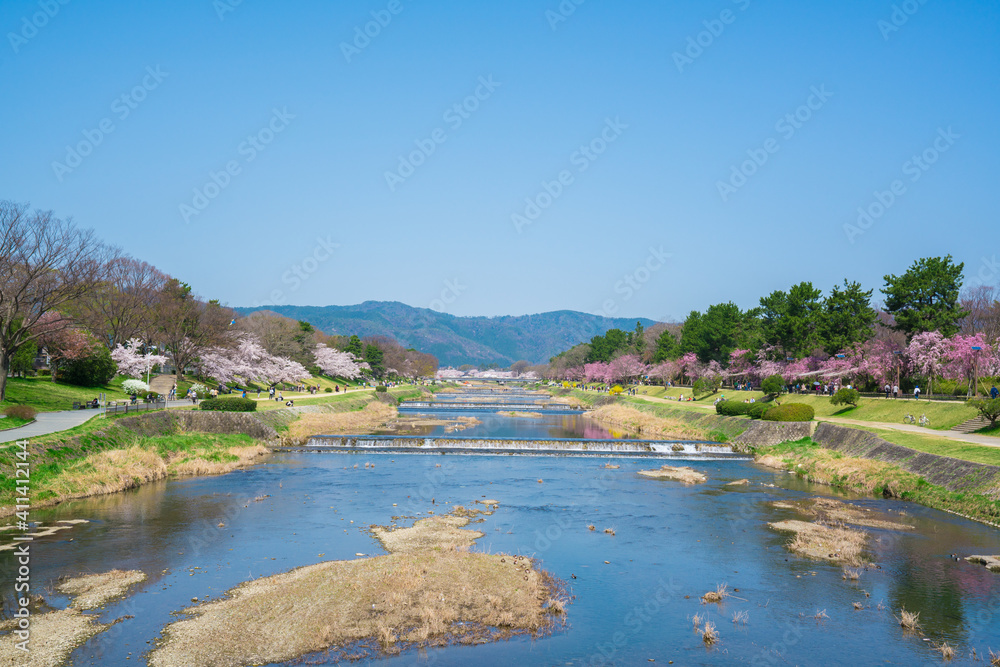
<point x="971" y="425"/>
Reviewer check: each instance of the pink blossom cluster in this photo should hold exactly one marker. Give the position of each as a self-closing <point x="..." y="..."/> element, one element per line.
<point x="132" y="361"/>
<point x="928" y="354"/>
<point x="250" y="362"/>
<point x="338" y="364"/>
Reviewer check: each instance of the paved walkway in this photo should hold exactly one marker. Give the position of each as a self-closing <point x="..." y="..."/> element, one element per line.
<point x="988" y="440"/>
<point x="49" y="422"/>
<point x="53" y="422"/>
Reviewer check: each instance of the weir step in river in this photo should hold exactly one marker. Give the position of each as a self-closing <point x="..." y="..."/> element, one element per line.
<point x="677" y="449"/>
<point x="506" y="407"/>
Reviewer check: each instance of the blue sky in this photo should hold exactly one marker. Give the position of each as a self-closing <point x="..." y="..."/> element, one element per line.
<point x="667" y="98"/>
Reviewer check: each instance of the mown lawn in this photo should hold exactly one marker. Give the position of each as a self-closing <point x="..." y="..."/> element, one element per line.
<point x="45" y="395"/>
<point x="943" y="414"/>
<point x="8" y="423"/>
<point x="931" y="444"/>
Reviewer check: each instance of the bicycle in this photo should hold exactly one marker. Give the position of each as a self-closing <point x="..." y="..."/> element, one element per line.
<point x="908" y="419"/>
<point x="924" y="421"/>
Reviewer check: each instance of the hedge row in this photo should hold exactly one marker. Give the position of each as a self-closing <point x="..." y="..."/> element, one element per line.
<point x="230" y="404"/>
<point x="789" y="412"/>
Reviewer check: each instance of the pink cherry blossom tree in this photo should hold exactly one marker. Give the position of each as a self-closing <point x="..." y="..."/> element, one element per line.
<point x="877" y="359"/>
<point x="627" y="368"/>
<point x="338" y="364"/>
<point x="926" y="355"/>
<point x="132" y="361"/>
<point x="689" y="366"/>
<point x="598" y="371"/>
<point x="963" y="362"/>
<point x="665" y="371"/>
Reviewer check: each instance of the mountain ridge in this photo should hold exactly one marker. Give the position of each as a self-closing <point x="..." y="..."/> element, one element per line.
<point x="456" y="340"/>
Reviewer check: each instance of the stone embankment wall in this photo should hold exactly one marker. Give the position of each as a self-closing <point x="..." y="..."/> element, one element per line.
<point x="953" y="474"/>
<point x="765" y="434"/>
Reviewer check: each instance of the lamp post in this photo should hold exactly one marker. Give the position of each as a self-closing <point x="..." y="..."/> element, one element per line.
<point x="975" y="372"/>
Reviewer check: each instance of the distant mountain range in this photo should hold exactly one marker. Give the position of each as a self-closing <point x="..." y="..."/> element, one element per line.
<point x="460" y="340"/>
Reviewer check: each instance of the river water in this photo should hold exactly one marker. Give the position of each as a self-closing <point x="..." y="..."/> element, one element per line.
<point x="672" y="543"/>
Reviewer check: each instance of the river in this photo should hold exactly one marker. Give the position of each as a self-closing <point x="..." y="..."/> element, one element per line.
<point x="634" y="593"/>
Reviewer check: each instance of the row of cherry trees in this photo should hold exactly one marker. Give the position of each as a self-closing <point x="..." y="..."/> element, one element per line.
<point x="960" y="357"/>
<point x="66" y="294"/>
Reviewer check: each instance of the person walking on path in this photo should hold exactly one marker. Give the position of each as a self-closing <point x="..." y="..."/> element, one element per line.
<point x="916" y="393"/>
<point x="887" y="390"/>
<point x="895" y="391"/>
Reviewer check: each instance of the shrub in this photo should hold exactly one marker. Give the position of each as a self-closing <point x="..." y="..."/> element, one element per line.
<point x="381" y="389"/>
<point x="20" y="411"/>
<point x="846" y="396"/>
<point x="134" y="387"/>
<point x="732" y="408"/>
<point x="989" y="408"/>
<point x="615" y="390"/>
<point x="773" y="385"/>
<point x="44" y="372"/>
<point x="199" y="390"/>
<point x="94" y="370"/>
<point x="230" y="404"/>
<point x="329" y="390"/>
<point x="758" y="410"/>
<point x="790" y="412"/>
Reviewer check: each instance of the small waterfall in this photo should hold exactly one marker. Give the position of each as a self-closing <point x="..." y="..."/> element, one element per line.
<point x="534" y="447"/>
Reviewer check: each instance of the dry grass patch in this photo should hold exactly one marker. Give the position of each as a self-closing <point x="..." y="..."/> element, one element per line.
<point x="829" y="510"/>
<point x="683" y="474"/>
<point x="443" y="531"/>
<point x="834" y="544"/>
<point x="374" y="416"/>
<point x="739" y="482"/>
<point x="709" y="635"/>
<point x="94" y="590"/>
<point x="523" y="415"/>
<point x="108" y="472"/>
<point x="909" y="620"/>
<point x="645" y="424"/>
<point x="195" y="462"/>
<point x="54" y="635"/>
<point x="718" y="595"/>
<point x="426" y="597"/>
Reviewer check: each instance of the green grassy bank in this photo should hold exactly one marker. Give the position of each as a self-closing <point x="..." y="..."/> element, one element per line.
<point x="809" y="460"/>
